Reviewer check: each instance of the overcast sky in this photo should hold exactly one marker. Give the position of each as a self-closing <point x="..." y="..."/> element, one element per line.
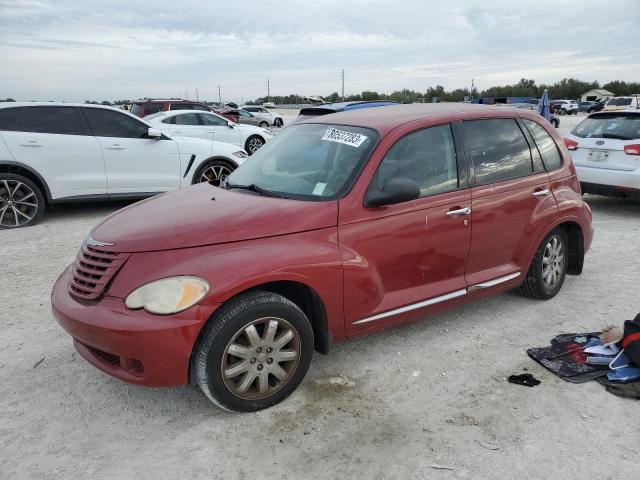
<point x="89" y="49"/>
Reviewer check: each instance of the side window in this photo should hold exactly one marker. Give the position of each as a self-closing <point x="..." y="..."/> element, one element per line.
<point x="187" y="119"/>
<point x="58" y="120"/>
<point x="200" y="107"/>
<point x="497" y="149"/>
<point x="212" y="120"/>
<point x="8" y="118"/>
<point x="150" y="108"/>
<point x="182" y="106"/>
<point x="109" y="123"/>
<point x="546" y="145"/>
<point x="427" y="156"/>
<point x="245" y="114"/>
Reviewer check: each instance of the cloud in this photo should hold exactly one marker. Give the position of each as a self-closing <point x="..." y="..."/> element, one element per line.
<point x="72" y="50"/>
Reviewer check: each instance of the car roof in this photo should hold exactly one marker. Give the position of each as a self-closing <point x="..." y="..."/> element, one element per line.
<point x="171" y="100"/>
<point x="57" y="104"/>
<point x="386" y="119"/>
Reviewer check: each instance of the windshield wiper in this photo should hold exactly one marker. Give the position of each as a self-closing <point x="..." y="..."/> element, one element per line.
<point x="254" y="188"/>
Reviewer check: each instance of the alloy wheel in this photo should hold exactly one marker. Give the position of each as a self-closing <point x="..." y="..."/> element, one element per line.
<point x="255" y="144"/>
<point x="553" y="262"/>
<point x="216" y="174"/>
<point x="261" y="358"/>
<point x="18" y="203"/>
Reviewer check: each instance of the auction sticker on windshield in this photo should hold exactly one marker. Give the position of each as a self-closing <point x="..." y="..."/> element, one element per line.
<point x="341" y="136"/>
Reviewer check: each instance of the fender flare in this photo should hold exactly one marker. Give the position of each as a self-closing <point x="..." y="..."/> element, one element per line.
<point x="18" y="165"/>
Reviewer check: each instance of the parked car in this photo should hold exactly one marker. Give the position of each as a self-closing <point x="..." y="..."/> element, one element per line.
<point x="264" y="115"/>
<point x="553" y="119"/>
<point x="212" y="127"/>
<point x="341" y="225"/>
<point x="605" y="148"/>
<point x="60" y="152"/>
<point x="247" y="118"/>
<point x="585" y="106"/>
<point x="622" y="103"/>
<point x="328" y="108"/>
<point x="564" y="107"/>
<point x="149" y="106"/>
<point x="597" y="106"/>
<point x="230" y="114"/>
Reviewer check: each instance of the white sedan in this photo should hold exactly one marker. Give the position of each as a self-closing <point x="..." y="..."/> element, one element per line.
<point x="209" y="126"/>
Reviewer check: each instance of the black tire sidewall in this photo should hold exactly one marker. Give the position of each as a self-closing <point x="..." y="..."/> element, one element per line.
<point x="213" y="354"/>
<point x="40" y="196"/>
<point x="246" y="145"/>
<point x="264" y="124"/>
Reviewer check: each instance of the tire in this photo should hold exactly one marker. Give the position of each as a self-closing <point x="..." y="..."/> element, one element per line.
<point x="555" y="123"/>
<point x="278" y="123"/>
<point x="263" y="124"/>
<point x="21" y="201"/>
<point x="213" y="171"/>
<point x="537" y="284"/>
<point x="563" y="111"/>
<point x="253" y="144"/>
<point x="226" y="331"/>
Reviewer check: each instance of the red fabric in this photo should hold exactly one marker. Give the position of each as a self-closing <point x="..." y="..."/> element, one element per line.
<point x="627" y="340"/>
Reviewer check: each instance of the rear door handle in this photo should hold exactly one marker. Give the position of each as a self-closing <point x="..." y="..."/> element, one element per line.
<point x="541" y="193"/>
<point x="177" y="131"/>
<point x="31" y="143"/>
<point x="116" y="146"/>
<point x="459" y="211"/>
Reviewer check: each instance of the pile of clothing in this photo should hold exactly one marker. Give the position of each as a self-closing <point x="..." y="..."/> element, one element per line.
<point x="611" y="357"/>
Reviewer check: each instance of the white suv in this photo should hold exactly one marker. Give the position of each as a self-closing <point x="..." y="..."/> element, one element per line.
<point x="565" y="107"/>
<point x="52" y="152"/>
<point x="605" y="149"/>
<point x="270" y="118"/>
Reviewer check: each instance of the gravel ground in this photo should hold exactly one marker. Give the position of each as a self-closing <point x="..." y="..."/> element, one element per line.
<point x="392" y="405"/>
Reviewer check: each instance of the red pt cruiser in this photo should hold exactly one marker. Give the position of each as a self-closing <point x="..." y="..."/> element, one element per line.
<point x="343" y="224"/>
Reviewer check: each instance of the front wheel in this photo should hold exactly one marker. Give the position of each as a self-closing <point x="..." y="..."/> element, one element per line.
<point x="254" y="352"/>
<point x="253" y="144"/>
<point x="21" y="201"/>
<point x="548" y="268"/>
<point x="263" y="124"/>
<point x="563" y="111"/>
<point x="213" y="171"/>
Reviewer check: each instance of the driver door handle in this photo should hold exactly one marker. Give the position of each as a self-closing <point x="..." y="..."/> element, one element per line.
<point x="459" y="211"/>
<point x="541" y="193"/>
<point x="116" y="146"/>
<point x="31" y="143"/>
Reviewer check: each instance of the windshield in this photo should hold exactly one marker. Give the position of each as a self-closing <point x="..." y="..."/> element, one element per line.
<point x="309" y="161"/>
<point x="614" y="125"/>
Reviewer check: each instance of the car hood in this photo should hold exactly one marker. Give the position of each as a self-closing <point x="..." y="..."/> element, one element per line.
<point x="206" y="215"/>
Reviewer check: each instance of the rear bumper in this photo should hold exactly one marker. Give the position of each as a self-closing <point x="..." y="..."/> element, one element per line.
<point x="617" y="182"/>
<point x="131" y="345"/>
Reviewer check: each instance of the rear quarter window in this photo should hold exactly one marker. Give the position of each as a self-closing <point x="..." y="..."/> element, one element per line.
<point x="8" y="118"/>
<point x="497" y="149"/>
<point x="545" y="144"/>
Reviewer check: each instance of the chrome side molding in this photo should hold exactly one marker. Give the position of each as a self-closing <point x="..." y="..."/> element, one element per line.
<point x="494" y="282"/>
<point x="439" y="299"/>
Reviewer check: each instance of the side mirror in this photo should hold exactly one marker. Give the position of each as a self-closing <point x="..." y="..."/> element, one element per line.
<point x="230" y="124"/>
<point x="396" y="190"/>
<point x="154" y="133"/>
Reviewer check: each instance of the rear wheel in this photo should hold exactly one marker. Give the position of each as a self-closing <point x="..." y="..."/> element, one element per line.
<point x="21" y="201"/>
<point x="254" y="352"/>
<point x="253" y="144"/>
<point x="278" y="122"/>
<point x="548" y="268"/>
<point x="563" y="111"/>
<point x="213" y="171"/>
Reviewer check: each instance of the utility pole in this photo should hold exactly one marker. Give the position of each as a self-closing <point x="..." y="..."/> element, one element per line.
<point x="186" y="95"/>
<point x="342" y="84"/>
<point x="268" y="91"/>
<point x="219" y="96"/>
<point x="197" y="97"/>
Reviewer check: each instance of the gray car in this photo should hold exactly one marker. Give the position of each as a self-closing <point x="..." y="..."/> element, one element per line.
<point x="272" y="118"/>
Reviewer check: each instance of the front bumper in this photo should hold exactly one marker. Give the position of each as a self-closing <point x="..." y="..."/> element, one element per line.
<point x="132" y="345"/>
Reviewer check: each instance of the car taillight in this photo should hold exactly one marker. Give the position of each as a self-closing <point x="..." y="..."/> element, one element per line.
<point x="632" y="149"/>
<point x="571" y="145"/>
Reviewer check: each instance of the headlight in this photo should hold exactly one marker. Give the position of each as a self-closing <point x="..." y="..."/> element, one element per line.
<point x="168" y="295"/>
<point x="240" y="154"/>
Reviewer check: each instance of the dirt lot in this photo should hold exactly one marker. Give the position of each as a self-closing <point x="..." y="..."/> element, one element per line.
<point x="424" y="394"/>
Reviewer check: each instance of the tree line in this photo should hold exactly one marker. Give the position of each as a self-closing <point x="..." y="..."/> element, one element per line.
<point x="567" y="88"/>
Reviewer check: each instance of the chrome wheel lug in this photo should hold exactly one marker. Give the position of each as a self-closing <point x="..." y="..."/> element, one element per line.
<point x="269" y="360"/>
<point x="260" y="366"/>
<point x="269" y="350"/>
<point x="253" y="360"/>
